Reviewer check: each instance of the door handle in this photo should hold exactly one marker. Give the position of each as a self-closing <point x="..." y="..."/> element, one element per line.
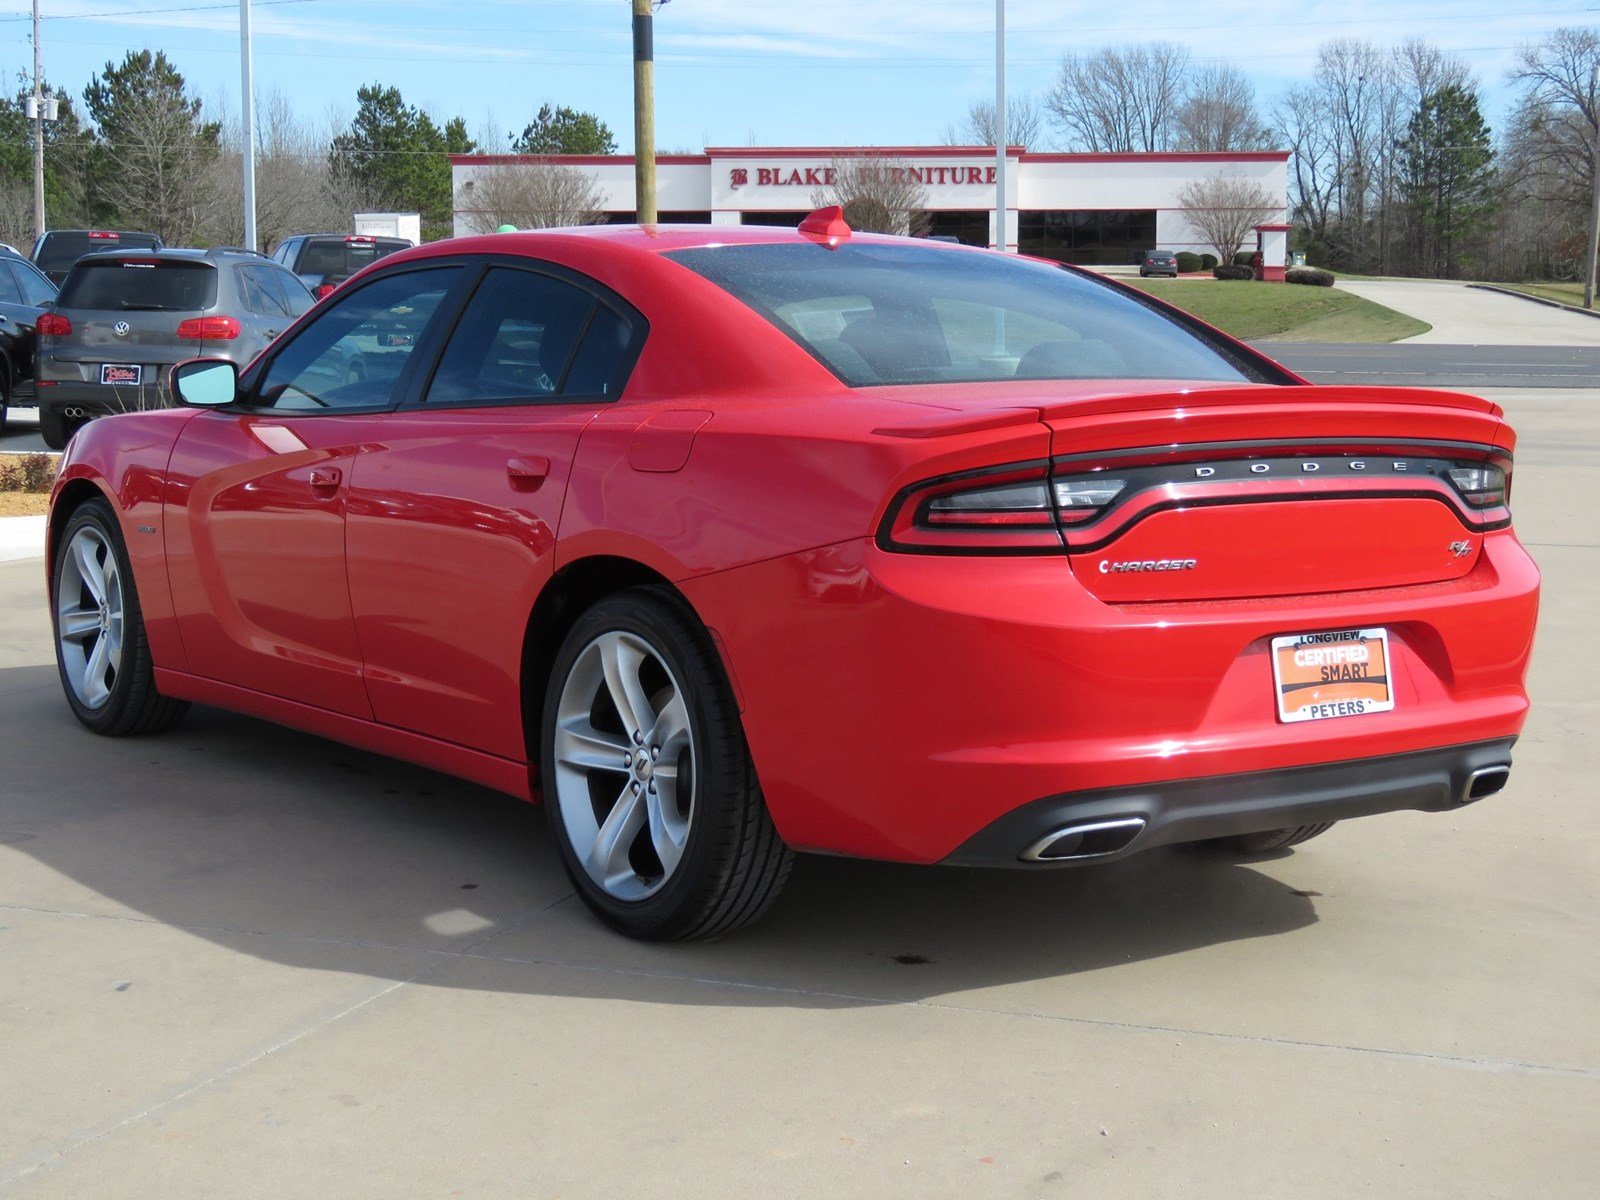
<point x="528" y="472"/>
<point x="325" y="479"/>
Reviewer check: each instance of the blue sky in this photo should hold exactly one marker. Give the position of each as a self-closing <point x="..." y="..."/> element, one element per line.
<point x="730" y="72"/>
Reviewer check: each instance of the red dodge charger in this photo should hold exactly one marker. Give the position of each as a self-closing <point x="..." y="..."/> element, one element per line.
<point x="729" y="543"/>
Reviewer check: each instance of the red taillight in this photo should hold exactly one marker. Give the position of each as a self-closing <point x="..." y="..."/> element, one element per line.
<point x="209" y="329"/>
<point x="97" y="236"/>
<point x="1008" y="511"/>
<point x="364" y="238"/>
<point x="1013" y="510"/>
<point x="52" y="325"/>
<point x="325" y="290"/>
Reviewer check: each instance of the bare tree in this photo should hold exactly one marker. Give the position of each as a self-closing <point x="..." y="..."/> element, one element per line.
<point x="1303" y="126"/>
<point x="1551" y="149"/>
<point x="296" y="192"/>
<point x="1024" y="123"/>
<point x="1219" y="113"/>
<point x="1120" y="99"/>
<point x="1226" y="210"/>
<point x="540" y="195"/>
<point x="879" y="194"/>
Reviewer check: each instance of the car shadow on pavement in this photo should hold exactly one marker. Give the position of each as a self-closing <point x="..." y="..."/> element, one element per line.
<point x="276" y="844"/>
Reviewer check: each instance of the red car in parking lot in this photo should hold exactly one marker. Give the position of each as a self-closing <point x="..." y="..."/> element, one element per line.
<point x="730" y="543"/>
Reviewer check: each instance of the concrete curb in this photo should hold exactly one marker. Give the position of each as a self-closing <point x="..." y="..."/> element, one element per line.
<point x="21" y="537"/>
<point x="1571" y="308"/>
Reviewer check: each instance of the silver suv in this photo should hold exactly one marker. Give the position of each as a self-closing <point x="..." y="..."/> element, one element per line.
<point x="124" y="319"/>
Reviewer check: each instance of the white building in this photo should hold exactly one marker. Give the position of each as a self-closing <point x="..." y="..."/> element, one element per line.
<point x="1082" y="208"/>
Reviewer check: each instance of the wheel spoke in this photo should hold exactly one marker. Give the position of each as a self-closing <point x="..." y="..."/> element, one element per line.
<point x="84" y="558"/>
<point x="621" y="659"/>
<point x="579" y="744"/>
<point x="608" y="857"/>
<point x="96" y="686"/>
<point x="78" y="623"/>
<point x="667" y="832"/>
<point x="671" y="726"/>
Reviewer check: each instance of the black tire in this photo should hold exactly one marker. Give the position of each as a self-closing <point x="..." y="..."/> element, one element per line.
<point x="1269" y="841"/>
<point x="53" y="428"/>
<point x="132" y="705"/>
<point x="733" y="862"/>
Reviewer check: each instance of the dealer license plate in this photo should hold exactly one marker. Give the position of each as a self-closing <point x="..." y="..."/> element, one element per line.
<point x="1344" y="673"/>
<point x="121" y="373"/>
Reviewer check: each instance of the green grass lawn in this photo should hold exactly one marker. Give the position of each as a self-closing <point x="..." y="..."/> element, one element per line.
<point x="1563" y="293"/>
<point x="1284" y="312"/>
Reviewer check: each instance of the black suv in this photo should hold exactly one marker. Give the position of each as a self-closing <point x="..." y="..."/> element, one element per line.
<point x="57" y="249"/>
<point x="325" y="260"/>
<point x="24" y="295"/>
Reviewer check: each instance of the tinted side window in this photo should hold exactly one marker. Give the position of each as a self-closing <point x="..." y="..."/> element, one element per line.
<point x="10" y="292"/>
<point x="596" y="369"/>
<point x="37" y="291"/>
<point x="513" y="341"/>
<point x="290" y="289"/>
<point x="351" y="356"/>
<point x="250" y="292"/>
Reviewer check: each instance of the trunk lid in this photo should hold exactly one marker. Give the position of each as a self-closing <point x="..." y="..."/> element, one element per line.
<point x="1232" y="492"/>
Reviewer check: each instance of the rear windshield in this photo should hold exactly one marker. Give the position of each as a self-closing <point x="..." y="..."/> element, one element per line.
<point x="141" y="285"/>
<point x="328" y="256"/>
<point x="61" y="250"/>
<point x="886" y="314"/>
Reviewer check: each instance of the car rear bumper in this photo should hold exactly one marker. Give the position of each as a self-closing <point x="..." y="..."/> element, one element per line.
<point x="1115" y="822"/>
<point x="897" y="706"/>
<point x="98" y="400"/>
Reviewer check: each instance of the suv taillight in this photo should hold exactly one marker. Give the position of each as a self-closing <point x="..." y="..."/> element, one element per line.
<point x="209" y="329"/>
<point x="324" y="290"/>
<point x="52" y="325"/>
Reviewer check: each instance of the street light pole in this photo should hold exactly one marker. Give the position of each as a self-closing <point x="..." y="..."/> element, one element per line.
<point x="1594" y="207"/>
<point x="248" y="107"/>
<point x="38" y="130"/>
<point x="1000" y="122"/>
<point x="644" y="114"/>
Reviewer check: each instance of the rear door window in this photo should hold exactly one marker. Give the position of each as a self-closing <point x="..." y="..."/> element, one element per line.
<point x="37" y="291"/>
<point x="10" y="291"/>
<point x="514" y="340"/>
<point x="141" y="285"/>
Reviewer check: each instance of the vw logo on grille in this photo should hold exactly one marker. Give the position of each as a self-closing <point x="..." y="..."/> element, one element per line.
<point x="121" y="328"/>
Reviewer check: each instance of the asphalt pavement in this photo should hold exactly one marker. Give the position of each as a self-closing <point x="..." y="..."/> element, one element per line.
<point x="241" y="962"/>
<point x="1418" y="364"/>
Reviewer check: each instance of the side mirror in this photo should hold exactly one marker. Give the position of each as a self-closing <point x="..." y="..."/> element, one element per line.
<point x="206" y="382"/>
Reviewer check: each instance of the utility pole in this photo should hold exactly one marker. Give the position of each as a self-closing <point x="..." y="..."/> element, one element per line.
<point x="38" y="130"/>
<point x="1594" y="208"/>
<point x="644" y="114"/>
<point x="247" y="96"/>
<point x="1000" y="123"/>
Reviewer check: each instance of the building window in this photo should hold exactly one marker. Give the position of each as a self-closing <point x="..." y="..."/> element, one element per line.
<point x="788" y="220"/>
<point x="1090" y="236"/>
<point x="970" y="227"/>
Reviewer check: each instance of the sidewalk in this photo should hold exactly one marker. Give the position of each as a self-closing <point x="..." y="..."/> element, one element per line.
<point x="21" y="537"/>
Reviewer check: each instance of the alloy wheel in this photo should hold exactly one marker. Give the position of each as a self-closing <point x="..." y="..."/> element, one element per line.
<point x="624" y="765"/>
<point x="89" y="616"/>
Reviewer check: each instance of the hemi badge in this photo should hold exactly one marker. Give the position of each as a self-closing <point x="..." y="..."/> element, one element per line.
<point x="147" y="529"/>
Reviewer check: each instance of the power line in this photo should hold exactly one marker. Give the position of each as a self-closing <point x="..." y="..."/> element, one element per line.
<point x="145" y="12"/>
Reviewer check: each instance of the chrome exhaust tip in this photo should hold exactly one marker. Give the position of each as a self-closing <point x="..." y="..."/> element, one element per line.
<point x="1085" y="839"/>
<point x="1485" y="781"/>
